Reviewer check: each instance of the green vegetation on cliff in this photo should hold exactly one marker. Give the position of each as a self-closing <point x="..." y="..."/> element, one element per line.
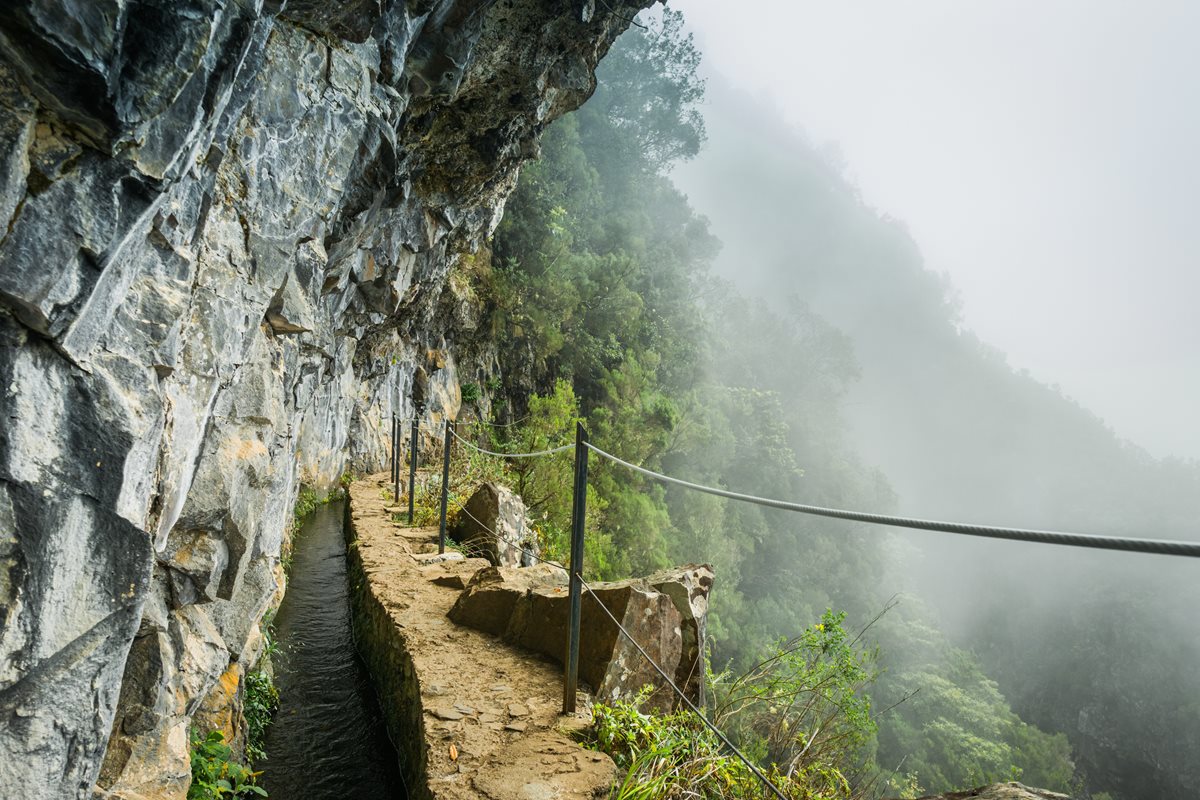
<point x="605" y="309"/>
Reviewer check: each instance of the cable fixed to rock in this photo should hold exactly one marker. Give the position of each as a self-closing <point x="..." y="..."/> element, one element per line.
<point x="1164" y="547"/>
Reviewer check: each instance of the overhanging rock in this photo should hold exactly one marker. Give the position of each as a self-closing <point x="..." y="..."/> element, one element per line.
<point x="665" y="614"/>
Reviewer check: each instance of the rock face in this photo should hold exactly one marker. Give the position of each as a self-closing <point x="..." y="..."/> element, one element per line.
<point x="1001" y="791"/>
<point x="492" y="525"/>
<point x="665" y="614"/>
<point x="228" y="233"/>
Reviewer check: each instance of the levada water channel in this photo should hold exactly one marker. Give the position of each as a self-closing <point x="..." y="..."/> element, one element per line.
<point x="328" y="738"/>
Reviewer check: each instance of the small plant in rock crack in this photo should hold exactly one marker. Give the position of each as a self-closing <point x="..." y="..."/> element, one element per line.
<point x="261" y="698"/>
<point x="215" y="775"/>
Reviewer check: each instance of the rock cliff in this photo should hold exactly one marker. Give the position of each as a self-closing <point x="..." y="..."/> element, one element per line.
<point x="229" y="232"/>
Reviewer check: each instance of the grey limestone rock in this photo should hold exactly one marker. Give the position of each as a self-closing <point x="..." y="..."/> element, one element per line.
<point x="226" y="232"/>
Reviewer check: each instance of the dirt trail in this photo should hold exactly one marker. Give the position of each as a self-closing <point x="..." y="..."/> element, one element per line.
<point x="493" y="706"/>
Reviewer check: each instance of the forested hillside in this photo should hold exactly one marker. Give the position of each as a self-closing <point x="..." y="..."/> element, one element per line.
<point x="1100" y="646"/>
<point x="608" y="310"/>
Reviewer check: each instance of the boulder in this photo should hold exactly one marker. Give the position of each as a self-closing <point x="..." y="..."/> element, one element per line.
<point x="492" y="525"/>
<point x="665" y="614"/>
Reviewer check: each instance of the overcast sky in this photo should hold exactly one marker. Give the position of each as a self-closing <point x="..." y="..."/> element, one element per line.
<point x="1044" y="154"/>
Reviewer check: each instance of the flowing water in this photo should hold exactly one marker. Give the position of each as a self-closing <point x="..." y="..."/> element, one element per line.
<point x="328" y="739"/>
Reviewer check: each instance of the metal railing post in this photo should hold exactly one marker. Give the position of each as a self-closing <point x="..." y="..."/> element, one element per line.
<point x="578" y="514"/>
<point x="412" y="467"/>
<point x="445" y="486"/>
<point x="395" y="459"/>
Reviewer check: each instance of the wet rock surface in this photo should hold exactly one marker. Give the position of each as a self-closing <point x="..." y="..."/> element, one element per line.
<point x="226" y="240"/>
<point x="665" y="614"/>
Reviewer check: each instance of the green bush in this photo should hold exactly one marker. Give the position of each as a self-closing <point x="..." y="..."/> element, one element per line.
<point x="260" y="704"/>
<point x="306" y="502"/>
<point x="470" y="392"/>
<point x="676" y="756"/>
<point x="215" y="775"/>
<point x="803" y="706"/>
<point x="800" y="714"/>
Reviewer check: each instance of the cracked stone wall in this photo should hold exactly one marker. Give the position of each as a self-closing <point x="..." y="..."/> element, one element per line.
<point x="227" y="232"/>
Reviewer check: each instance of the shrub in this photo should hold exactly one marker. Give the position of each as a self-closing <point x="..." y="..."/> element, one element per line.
<point x="676" y="756"/>
<point x="802" y="706"/>
<point x="215" y="775"/>
<point x="306" y="502"/>
<point x="260" y="703"/>
<point x="799" y="714"/>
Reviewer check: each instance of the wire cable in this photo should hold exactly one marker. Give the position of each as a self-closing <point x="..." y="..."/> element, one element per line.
<point x="524" y="548"/>
<point x="1165" y="547"/>
<point x="550" y="452"/>
<point x="512" y="424"/>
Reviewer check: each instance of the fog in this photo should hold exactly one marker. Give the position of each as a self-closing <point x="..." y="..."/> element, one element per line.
<point x="1043" y="156"/>
<point x="995" y="206"/>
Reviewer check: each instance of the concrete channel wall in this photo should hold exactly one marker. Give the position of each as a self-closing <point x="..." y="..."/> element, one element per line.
<point x="393" y="672"/>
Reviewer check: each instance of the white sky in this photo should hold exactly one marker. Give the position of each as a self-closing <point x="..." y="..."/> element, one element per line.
<point x="1044" y="153"/>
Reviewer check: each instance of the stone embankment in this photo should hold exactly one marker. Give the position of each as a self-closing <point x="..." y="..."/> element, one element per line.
<point x="472" y="716"/>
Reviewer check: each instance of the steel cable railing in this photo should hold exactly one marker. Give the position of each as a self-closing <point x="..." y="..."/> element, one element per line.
<point x="536" y="454"/>
<point x="1157" y="546"/>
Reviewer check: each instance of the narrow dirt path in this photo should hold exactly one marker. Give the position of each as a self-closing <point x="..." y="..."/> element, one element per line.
<point x="489" y="712"/>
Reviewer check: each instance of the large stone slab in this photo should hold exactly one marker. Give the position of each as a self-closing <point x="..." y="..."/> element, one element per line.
<point x="664" y="614"/>
<point x="492" y="525"/>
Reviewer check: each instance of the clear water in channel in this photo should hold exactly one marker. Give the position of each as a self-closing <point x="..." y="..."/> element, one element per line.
<point x="328" y="739"/>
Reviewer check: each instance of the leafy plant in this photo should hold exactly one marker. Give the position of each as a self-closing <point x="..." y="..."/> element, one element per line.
<point x="470" y="392"/>
<point x="800" y="713"/>
<point x="803" y="705"/>
<point x="261" y="700"/>
<point x="306" y="502"/>
<point x="215" y="775"/>
<point x="676" y="756"/>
